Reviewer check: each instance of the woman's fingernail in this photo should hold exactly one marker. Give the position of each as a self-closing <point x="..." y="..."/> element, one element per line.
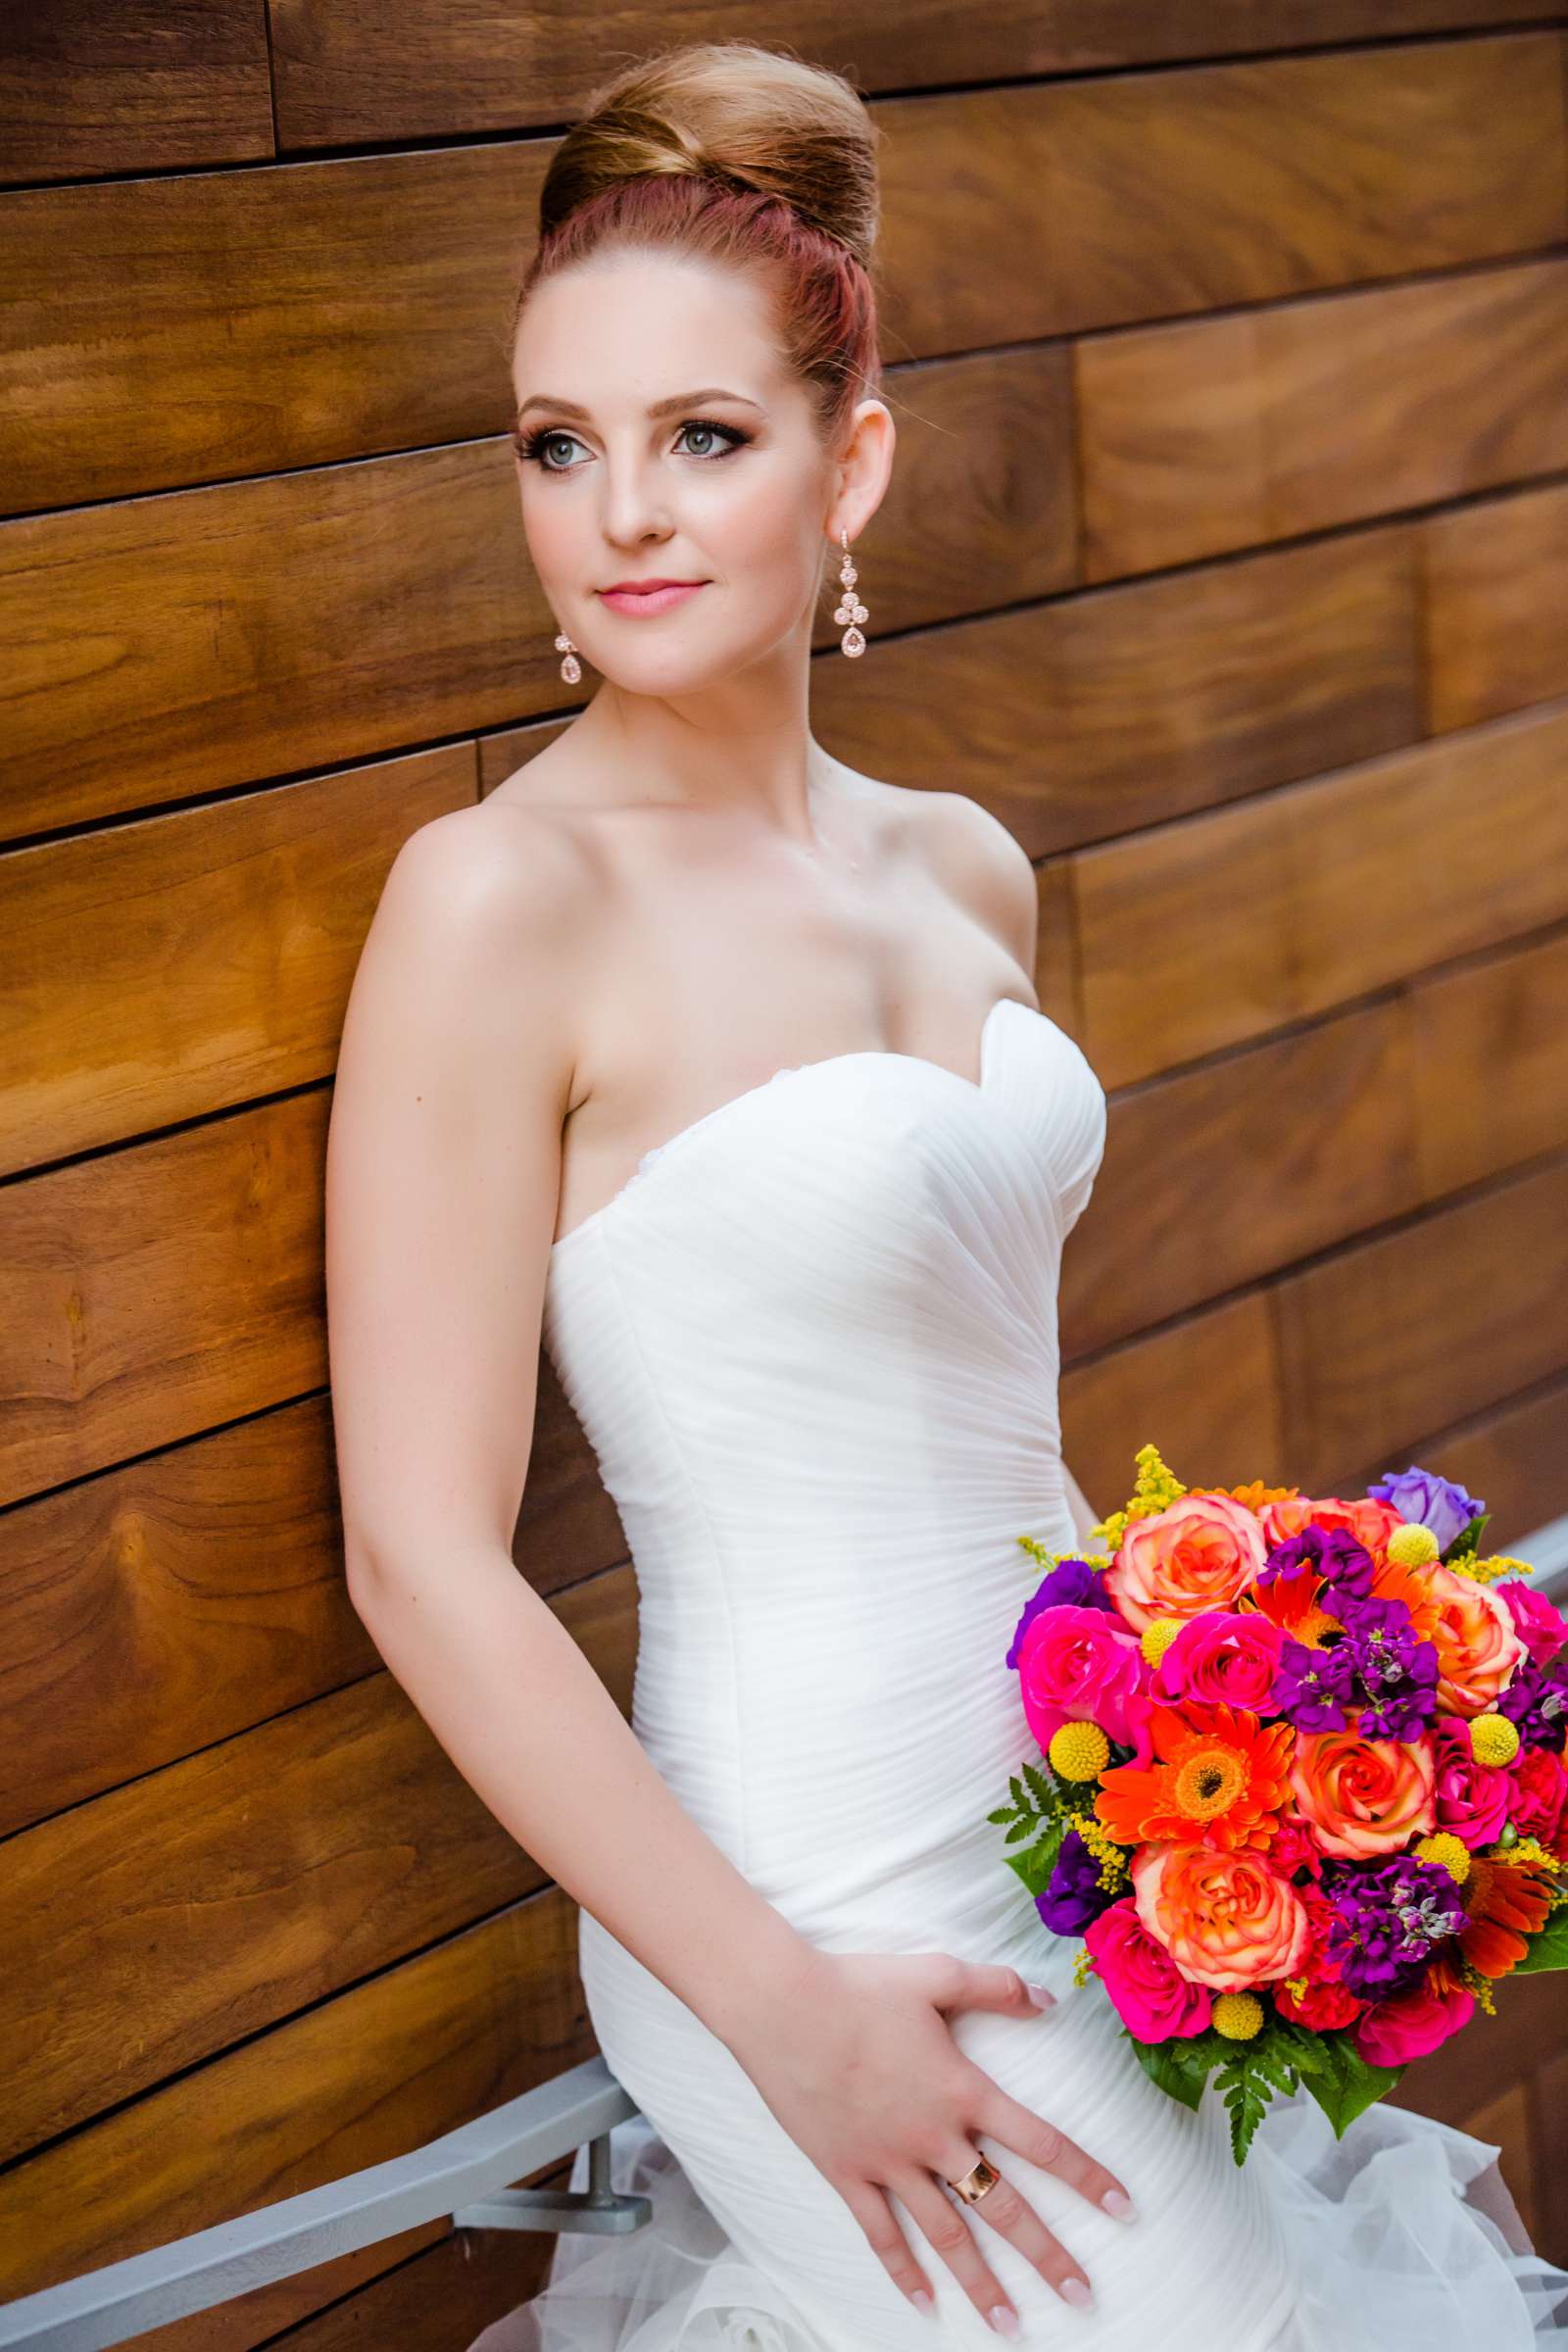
<point x="1003" y="2321"/>
<point x="1042" y="1995"/>
<point x="1075" y="2291"/>
<point x="924" y="2300"/>
<point x="1118" y="2202"/>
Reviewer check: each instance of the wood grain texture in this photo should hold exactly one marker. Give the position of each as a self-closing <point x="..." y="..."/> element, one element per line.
<point x="1477" y="1290"/>
<point x="1318" y="893"/>
<point x="1489" y="1051"/>
<point x="1132" y="197"/>
<point x="249" y="1882"/>
<point x="1495" y="587"/>
<point x="160" y="1289"/>
<point x="1234" y="1169"/>
<point x="382" y="69"/>
<point x="175" y="331"/>
<point x="1205" y="1390"/>
<point x="234" y="978"/>
<point x="1231" y="431"/>
<point x="1093" y="715"/>
<point x="409" y="2053"/>
<point x="88" y="86"/>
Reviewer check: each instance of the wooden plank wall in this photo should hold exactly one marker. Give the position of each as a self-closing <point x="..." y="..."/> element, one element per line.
<point x="1226" y="560"/>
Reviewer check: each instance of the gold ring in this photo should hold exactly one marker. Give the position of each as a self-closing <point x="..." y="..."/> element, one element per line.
<point x="980" y="2176"/>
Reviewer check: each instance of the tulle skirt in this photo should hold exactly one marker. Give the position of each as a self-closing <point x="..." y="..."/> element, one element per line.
<point x="1403" y="2238"/>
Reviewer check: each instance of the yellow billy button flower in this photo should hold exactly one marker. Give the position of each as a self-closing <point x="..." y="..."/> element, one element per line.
<point x="1493" y="1740"/>
<point x="1237" y="2015"/>
<point x="1158" y="1638"/>
<point x="1079" y="1751"/>
<point x="1412" y="1546"/>
<point x="1444" y="1847"/>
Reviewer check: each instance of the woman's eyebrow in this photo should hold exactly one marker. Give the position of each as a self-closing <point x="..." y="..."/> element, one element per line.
<point x="660" y="408"/>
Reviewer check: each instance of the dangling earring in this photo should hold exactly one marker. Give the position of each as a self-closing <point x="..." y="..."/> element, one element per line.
<point x="572" y="668"/>
<point x="849" y="608"/>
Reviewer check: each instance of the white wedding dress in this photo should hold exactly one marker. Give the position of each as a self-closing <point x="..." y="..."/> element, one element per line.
<point x="813" y="1344"/>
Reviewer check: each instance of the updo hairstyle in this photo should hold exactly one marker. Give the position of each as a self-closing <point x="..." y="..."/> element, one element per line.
<point x="745" y="156"/>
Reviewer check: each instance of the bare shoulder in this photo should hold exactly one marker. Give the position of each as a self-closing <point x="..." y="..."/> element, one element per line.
<point x="972" y="856"/>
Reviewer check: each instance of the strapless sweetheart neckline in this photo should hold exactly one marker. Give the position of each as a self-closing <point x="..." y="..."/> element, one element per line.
<point x="917" y="1062"/>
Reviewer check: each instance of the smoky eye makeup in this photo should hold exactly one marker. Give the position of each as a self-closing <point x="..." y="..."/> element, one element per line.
<point x="531" y="445"/>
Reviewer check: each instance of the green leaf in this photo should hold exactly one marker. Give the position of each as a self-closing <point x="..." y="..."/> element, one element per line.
<point x="1348" y="2085"/>
<point x="1180" y="2067"/>
<point x="1467" y="1543"/>
<point x="1547" y="1947"/>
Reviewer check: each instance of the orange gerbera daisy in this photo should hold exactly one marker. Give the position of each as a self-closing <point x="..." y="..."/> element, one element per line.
<point x="1506" y="1897"/>
<point x="1412" y="1586"/>
<point x="1292" y="1603"/>
<point x="1254" y="1494"/>
<point x="1220" y="1779"/>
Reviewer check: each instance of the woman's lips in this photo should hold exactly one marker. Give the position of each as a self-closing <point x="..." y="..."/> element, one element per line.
<point x="656" y="600"/>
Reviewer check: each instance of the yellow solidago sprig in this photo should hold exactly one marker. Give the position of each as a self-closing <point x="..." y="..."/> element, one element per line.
<point x="1154" y="1489"/>
<point x="1487" y="1571"/>
<point x="1114" y="1860"/>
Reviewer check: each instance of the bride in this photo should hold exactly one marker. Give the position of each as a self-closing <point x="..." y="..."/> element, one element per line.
<point x="716" y="1067"/>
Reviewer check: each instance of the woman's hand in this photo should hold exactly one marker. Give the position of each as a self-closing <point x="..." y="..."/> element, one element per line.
<point x="864" y="2074"/>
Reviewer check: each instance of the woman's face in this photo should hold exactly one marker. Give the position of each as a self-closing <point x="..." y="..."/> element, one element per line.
<point x="728" y="485"/>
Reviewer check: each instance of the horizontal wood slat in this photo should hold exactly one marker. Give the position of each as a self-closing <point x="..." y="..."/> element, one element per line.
<point x="231" y="980"/>
<point x="249" y="1882"/>
<point x="1139" y="196"/>
<point x="171" y="331"/>
<point x="1094" y="714"/>
<point x="399" y="2059"/>
<point x="1313" y="895"/>
<point x="1228" y="1172"/>
<point x="1490" y="1056"/>
<point x="1494" y="588"/>
<point x="1477" y="1294"/>
<point x="131" y="85"/>
<point x="380" y="70"/>
<point x="196" y="1591"/>
<point x="1229" y="431"/>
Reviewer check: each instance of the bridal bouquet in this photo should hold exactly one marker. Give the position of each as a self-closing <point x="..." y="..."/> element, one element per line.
<point x="1301" y="1788"/>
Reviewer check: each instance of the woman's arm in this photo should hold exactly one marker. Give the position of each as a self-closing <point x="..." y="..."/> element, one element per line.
<point x="443" y="1169"/>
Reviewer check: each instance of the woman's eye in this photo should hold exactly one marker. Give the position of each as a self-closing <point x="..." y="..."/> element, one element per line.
<point x="532" y="446"/>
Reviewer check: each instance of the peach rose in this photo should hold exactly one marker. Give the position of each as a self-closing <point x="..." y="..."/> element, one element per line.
<point x="1197" y="1553"/>
<point x="1479" y="1644"/>
<point x="1365" y="1796"/>
<point x="1369" y="1521"/>
<point x="1227" y="1918"/>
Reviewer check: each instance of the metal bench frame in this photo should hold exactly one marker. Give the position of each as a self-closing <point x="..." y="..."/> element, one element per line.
<point x="463" y="2175"/>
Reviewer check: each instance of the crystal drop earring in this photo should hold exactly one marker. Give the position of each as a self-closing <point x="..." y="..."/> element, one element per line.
<point x="849" y="608"/>
<point x="571" y="667"/>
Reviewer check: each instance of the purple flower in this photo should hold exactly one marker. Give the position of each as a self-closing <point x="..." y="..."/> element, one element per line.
<point x="1396" y="1675"/>
<point x="1332" y="1552"/>
<point x="1314" y="1688"/>
<point x="1075" y="1895"/>
<point x="1386" y="1918"/>
<point x="1071" y="1584"/>
<point x="1428" y="1500"/>
<point x="1535" y="1702"/>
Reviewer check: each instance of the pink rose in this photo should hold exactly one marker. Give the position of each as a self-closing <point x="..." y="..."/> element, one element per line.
<point x="1538" y="1623"/>
<point x="1078" y="1665"/>
<point x="1539" y="1799"/>
<point x="1478" y="1642"/>
<point x="1472" y="1799"/>
<point x="1222" y="1654"/>
<point x="1197" y="1553"/>
<point x="1147" y="1991"/>
<point x="1294" y="1843"/>
<point x="1408" y="2025"/>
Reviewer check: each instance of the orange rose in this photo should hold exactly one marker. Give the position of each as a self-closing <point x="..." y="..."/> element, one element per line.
<point x="1227" y="1918"/>
<point x="1197" y="1553"/>
<point x="1479" y="1644"/>
<point x="1364" y="1796"/>
<point x="1369" y="1521"/>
